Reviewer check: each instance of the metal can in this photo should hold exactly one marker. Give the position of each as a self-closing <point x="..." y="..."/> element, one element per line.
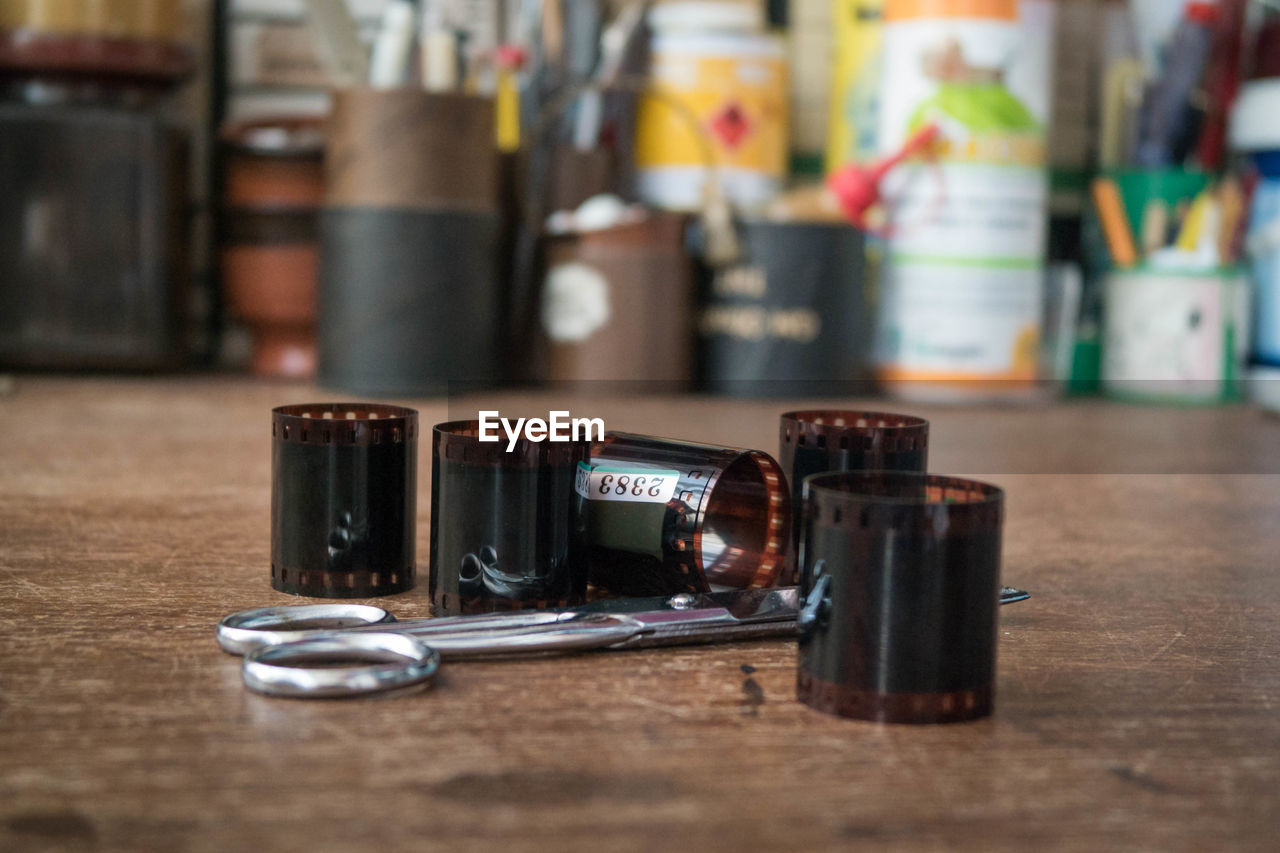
<point x="719" y="97"/>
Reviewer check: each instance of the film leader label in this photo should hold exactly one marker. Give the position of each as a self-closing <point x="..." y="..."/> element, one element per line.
<point x="626" y="485"/>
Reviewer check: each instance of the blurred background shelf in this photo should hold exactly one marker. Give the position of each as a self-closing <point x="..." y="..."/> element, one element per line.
<point x="983" y="273"/>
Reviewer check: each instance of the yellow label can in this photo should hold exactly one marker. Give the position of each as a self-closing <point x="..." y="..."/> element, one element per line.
<point x="716" y="98"/>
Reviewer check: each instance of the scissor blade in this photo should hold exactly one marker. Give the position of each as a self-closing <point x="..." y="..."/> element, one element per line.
<point x="578" y="632"/>
<point x="777" y="603"/>
<point x="750" y="604"/>
<point x="1009" y="595"/>
<point x="711" y="617"/>
<point x="719" y="617"/>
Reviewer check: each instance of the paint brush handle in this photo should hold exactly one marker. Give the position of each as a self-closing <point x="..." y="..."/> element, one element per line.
<point x="338" y="44"/>
<point x="917" y="142"/>
<point x="1115" y="227"/>
<point x="1168" y="100"/>
<point x="390" y="57"/>
<point x="439" y="61"/>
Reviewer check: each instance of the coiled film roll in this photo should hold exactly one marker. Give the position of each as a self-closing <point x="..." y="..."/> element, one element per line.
<point x="502" y="534"/>
<point x="663" y="516"/>
<point x="901" y="581"/>
<point x="344" y="482"/>
<point x="816" y="441"/>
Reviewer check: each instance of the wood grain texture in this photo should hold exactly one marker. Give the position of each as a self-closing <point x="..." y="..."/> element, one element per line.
<point x="1138" y="700"/>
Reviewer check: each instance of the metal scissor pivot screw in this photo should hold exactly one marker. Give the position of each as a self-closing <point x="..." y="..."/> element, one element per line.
<point x="817" y="604"/>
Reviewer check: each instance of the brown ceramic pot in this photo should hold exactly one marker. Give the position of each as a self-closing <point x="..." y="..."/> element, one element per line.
<point x="269" y="271"/>
<point x="274" y="186"/>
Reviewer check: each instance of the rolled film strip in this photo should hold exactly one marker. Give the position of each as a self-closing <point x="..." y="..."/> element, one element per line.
<point x="816" y="441"/>
<point x="902" y="578"/>
<point x="502" y="529"/>
<point x="344" y="482"/>
<point x="661" y="516"/>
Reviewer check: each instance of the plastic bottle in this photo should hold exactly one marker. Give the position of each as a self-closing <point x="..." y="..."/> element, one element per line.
<point x="963" y="284"/>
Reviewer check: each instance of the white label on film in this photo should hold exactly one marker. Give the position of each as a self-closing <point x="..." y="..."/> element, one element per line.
<point x="630" y="485"/>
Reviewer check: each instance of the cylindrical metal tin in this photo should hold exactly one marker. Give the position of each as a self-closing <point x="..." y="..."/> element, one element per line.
<point x="409" y="291"/>
<point x="406" y="149"/>
<point x="793" y="316"/>
<point x="617" y="303"/>
<point x="662" y="516"/>
<point x="343" y="499"/>
<point x="408" y="299"/>
<point x="901" y="581"/>
<point x="502" y="531"/>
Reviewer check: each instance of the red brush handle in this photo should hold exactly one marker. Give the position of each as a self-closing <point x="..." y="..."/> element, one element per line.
<point x="858" y="187"/>
<point x="915" y="143"/>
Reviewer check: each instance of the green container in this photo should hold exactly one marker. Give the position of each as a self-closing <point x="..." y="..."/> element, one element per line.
<point x="1171" y="186"/>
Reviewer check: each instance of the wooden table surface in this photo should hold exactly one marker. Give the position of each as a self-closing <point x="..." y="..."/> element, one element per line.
<point x="1138" y="699"/>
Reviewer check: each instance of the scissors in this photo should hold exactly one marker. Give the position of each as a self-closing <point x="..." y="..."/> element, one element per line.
<point x="330" y="650"/>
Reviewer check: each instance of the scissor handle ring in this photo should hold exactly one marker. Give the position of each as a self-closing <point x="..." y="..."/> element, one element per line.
<point x="400" y="660"/>
<point x="247" y="630"/>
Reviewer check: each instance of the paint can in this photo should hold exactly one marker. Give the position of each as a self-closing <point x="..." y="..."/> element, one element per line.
<point x="964" y="269"/>
<point x="719" y="95"/>
<point x="792" y="316"/>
